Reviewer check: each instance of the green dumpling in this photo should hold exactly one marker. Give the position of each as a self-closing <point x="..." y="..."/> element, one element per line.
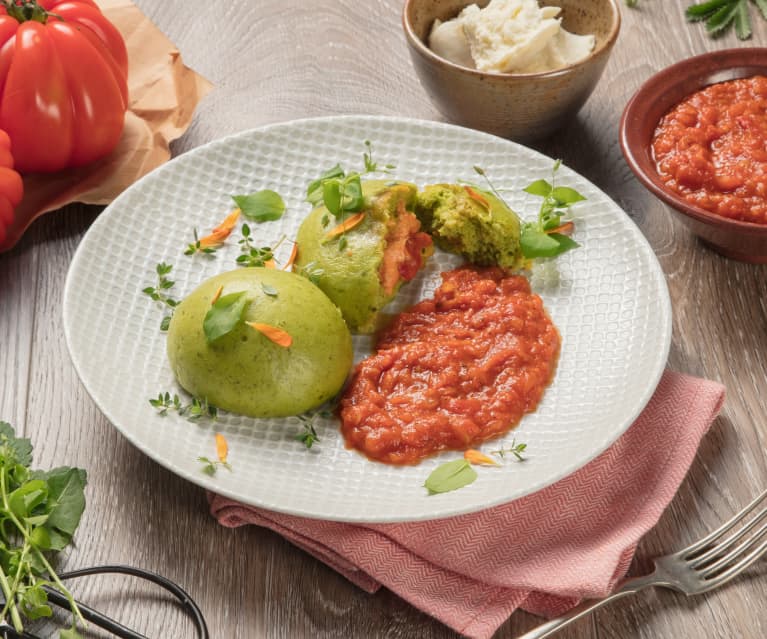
<point x="362" y="269"/>
<point x="472" y="223"/>
<point x="244" y="371"/>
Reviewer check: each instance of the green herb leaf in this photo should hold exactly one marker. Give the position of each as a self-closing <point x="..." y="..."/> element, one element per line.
<point x="450" y="476"/>
<point x="269" y="290"/>
<point x="762" y="6"/>
<point x="21" y="447"/>
<point x="225" y="315"/>
<point x="261" y="206"/>
<point x="70" y="633"/>
<point x="539" y="187"/>
<point x="314" y="192"/>
<point x="39" y="512"/>
<point x="721" y="19"/>
<point x="742" y="21"/>
<point x="702" y="10"/>
<point x="564" y="196"/>
<point x="66" y="502"/>
<point x="34" y="603"/>
<point x="331" y="196"/>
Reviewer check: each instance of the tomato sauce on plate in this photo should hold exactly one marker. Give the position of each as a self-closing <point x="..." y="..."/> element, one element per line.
<point x="453" y="371"/>
<point x="712" y="149"/>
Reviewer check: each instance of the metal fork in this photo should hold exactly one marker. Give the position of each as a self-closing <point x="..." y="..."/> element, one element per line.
<point x="700" y="567"/>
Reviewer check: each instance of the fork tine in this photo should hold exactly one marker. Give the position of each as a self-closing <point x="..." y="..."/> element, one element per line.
<point x="723" y="547"/>
<point x="736" y="569"/>
<point x="734" y="553"/>
<point x="688" y="552"/>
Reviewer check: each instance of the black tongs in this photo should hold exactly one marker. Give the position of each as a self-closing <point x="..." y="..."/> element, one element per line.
<point x="106" y="623"/>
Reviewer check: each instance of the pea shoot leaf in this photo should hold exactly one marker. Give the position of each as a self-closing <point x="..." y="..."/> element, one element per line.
<point x="314" y="192"/>
<point x="225" y="315"/>
<point x="450" y="476"/>
<point x="261" y="206"/>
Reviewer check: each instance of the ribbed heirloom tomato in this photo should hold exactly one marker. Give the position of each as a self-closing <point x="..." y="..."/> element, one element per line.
<point x="11" y="186"/>
<point x="63" y="83"/>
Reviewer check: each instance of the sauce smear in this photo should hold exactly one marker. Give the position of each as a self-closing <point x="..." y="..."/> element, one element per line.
<point x="453" y="371"/>
<point x="712" y="149"/>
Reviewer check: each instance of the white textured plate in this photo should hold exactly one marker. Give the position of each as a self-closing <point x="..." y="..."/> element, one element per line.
<point x="611" y="307"/>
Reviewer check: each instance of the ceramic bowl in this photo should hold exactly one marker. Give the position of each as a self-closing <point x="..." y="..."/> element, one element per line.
<point x="743" y="241"/>
<point x="524" y="106"/>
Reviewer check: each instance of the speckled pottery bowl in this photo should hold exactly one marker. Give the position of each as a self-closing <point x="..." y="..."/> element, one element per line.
<point x="523" y="106"/>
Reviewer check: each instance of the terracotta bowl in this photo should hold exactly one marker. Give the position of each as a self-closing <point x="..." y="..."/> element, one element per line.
<point x="523" y="106"/>
<point x="744" y="241"/>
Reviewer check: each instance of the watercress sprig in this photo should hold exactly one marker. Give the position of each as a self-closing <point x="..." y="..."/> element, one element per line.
<point x="39" y="511"/>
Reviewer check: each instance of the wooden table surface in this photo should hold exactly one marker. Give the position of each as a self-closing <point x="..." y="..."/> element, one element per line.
<point x="276" y="60"/>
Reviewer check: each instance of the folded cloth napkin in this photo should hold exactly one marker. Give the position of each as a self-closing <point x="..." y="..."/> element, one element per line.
<point x="542" y="552"/>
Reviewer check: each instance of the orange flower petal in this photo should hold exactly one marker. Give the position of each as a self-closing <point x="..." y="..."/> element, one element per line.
<point x="475" y="457"/>
<point x="477" y="197"/>
<point x="219" y="234"/>
<point x="348" y="224"/>
<point x="292" y="258"/>
<point x="563" y="229"/>
<point x="277" y="335"/>
<point x="222" y="447"/>
<point x="216" y="295"/>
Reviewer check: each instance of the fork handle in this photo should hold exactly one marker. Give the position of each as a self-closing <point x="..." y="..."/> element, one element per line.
<point x="626" y="587"/>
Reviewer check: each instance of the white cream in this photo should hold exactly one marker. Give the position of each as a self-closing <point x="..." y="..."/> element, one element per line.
<point x="509" y="36"/>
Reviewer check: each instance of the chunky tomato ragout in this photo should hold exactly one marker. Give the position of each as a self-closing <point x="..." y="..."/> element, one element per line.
<point x="452" y="371"/>
<point x="712" y="149"/>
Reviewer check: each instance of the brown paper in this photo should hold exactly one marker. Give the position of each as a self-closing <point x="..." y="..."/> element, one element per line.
<point x="163" y="96"/>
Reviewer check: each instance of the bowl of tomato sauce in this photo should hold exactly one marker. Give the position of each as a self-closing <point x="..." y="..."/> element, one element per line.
<point x="695" y="134"/>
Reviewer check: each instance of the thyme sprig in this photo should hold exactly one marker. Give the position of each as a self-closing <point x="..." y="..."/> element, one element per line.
<point x="194" y="410"/>
<point x="159" y="293"/>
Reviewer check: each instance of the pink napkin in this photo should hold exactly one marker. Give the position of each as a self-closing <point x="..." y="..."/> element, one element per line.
<point x="542" y="552"/>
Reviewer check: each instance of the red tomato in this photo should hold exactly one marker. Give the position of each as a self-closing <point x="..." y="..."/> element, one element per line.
<point x="11" y="187"/>
<point x="63" y="83"/>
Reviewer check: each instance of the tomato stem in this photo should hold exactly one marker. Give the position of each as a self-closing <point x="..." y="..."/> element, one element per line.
<point x="25" y="10"/>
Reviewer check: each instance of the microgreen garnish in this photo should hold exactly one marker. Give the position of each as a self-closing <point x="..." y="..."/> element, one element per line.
<point x="545" y="237"/>
<point x="158" y="294"/>
<point x="197" y="247"/>
<point x="341" y="192"/>
<point x="210" y="466"/>
<point x="40" y="512"/>
<point x="308" y="435"/>
<point x="261" y="206"/>
<point x="370" y="166"/>
<point x="514" y="449"/>
<point x="540" y="238"/>
<point x="253" y="256"/>
<point x="195" y="410"/>
<point x="449" y="476"/>
<point x="225" y="315"/>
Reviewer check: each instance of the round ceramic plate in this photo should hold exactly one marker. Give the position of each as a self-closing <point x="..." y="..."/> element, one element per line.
<point x="611" y="306"/>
